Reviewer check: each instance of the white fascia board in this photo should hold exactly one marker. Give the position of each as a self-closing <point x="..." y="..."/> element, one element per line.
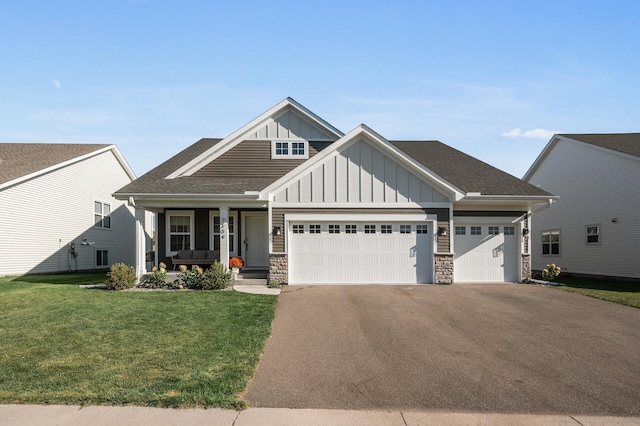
<point x="357" y="217"/>
<point x="378" y="141"/>
<point x="486" y="220"/>
<point x="68" y="163"/>
<point x="123" y="162"/>
<point x="235" y="138"/>
<point x="554" y="139"/>
<point x="528" y="200"/>
<point x="362" y="206"/>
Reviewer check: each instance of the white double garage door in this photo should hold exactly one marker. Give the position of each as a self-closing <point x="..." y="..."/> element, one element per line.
<point x="393" y="252"/>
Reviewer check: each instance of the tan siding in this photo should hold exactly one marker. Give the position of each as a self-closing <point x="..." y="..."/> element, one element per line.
<point x="252" y="158"/>
<point x="277" y="218"/>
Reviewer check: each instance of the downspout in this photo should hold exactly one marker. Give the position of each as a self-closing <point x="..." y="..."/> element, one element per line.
<point x="550" y="201"/>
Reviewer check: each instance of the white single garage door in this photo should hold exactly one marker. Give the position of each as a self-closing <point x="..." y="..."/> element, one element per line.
<point x="360" y="253"/>
<point x="486" y="253"/>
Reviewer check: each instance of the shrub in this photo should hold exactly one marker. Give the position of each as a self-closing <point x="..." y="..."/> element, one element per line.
<point x="217" y="277"/>
<point x="274" y="284"/>
<point x="192" y="278"/>
<point x="550" y="272"/>
<point x="121" y="276"/>
<point x="157" y="278"/>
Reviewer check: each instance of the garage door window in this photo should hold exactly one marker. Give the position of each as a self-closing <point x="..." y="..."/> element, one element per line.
<point x="334" y="229"/>
<point x="350" y="229"/>
<point x="385" y="229"/>
<point x="369" y="229"/>
<point x="476" y="230"/>
<point x="422" y="229"/>
<point x="461" y="230"/>
<point x="405" y="229"/>
<point x="494" y="230"/>
<point x="509" y="230"/>
<point x="298" y="229"/>
<point x="314" y="229"/>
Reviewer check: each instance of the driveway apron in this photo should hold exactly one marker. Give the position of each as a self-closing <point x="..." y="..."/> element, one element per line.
<point x="478" y="348"/>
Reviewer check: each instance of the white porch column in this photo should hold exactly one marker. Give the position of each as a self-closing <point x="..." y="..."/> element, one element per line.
<point x="224" y="236"/>
<point x="141" y="243"/>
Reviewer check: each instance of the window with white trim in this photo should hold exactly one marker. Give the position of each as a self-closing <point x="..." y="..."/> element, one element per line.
<point x="494" y="230"/>
<point x="298" y="229"/>
<point x="551" y="242"/>
<point x="369" y="229"/>
<point x="314" y="229"/>
<point x="215" y="232"/>
<point x="350" y="229"/>
<point x="385" y="229"/>
<point x="405" y="229"/>
<point x="422" y="229"/>
<point x="334" y="228"/>
<point x="102" y="214"/>
<point x="593" y="234"/>
<point x="461" y="230"/>
<point x="476" y="230"/>
<point x="102" y="257"/>
<point x="289" y="149"/>
<point x="180" y="231"/>
<point x="509" y="230"/>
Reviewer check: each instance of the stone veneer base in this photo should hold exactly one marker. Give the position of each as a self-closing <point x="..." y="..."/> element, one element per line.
<point x="278" y="268"/>
<point x="443" y="268"/>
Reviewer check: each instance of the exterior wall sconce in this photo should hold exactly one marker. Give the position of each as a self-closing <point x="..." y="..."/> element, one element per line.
<point x="277" y="231"/>
<point x="614" y="220"/>
<point x="525" y="232"/>
<point x="442" y="232"/>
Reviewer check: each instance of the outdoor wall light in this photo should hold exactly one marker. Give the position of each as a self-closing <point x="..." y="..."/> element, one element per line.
<point x="442" y="232"/>
<point x="525" y="232"/>
<point x="277" y="231"/>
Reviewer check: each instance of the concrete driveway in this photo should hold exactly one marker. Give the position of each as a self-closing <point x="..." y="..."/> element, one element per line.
<point x="479" y="348"/>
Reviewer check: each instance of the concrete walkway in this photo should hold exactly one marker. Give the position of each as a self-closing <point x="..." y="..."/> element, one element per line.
<point x="73" y="415"/>
<point x="256" y="289"/>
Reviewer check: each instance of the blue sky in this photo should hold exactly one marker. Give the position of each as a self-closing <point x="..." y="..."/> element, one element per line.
<point x="494" y="79"/>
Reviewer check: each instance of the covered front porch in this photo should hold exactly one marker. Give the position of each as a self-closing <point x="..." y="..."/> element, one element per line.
<point x="228" y="231"/>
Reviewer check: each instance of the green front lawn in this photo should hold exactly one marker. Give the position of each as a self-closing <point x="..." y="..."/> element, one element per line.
<point x="64" y="345"/>
<point x="623" y="292"/>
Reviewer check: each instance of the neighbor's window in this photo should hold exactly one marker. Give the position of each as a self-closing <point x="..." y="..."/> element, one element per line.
<point x="369" y="229"/>
<point x="289" y="149"/>
<point x="179" y="231"/>
<point x="476" y="230"/>
<point x="405" y="229"/>
<point x="422" y="229"/>
<point x="551" y="242"/>
<point x="593" y="234"/>
<point x="350" y="229"/>
<point x="102" y="258"/>
<point x="385" y="229"/>
<point x="102" y="214"/>
<point x="461" y="230"/>
<point x="314" y="229"/>
<point x="509" y="230"/>
<point x="334" y="229"/>
<point x="494" y="230"/>
<point x="298" y="229"/>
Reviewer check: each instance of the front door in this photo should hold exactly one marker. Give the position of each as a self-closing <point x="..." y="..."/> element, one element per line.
<point x="256" y="239"/>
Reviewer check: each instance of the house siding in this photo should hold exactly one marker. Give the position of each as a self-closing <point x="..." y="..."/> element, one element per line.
<point x="595" y="186"/>
<point x="40" y="217"/>
<point x="277" y="219"/>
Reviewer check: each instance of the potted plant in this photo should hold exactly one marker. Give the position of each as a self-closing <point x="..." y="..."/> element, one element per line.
<point x="235" y="263"/>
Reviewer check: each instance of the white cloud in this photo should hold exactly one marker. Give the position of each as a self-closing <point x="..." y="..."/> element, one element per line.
<point x="530" y="134"/>
<point x="57" y="84"/>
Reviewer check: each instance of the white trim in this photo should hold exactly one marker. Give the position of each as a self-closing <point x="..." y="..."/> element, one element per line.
<point x="486" y="220"/>
<point x="362" y="131"/>
<point x="355" y="217"/>
<point x="235" y="138"/>
<point x="169" y="213"/>
<point x="212" y="233"/>
<point x="362" y="206"/>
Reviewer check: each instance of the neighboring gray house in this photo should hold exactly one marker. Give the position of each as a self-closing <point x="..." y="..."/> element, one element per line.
<point x="291" y="194"/>
<point x="594" y="227"/>
<point x="57" y="212"/>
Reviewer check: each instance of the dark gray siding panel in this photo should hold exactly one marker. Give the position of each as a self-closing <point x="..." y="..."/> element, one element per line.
<point x="202" y="229"/>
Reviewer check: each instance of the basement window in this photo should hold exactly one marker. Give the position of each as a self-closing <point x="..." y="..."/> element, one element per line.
<point x="289" y="149"/>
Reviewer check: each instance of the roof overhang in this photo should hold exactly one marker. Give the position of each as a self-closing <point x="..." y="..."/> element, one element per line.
<point x="516" y="202"/>
<point x="159" y="202"/>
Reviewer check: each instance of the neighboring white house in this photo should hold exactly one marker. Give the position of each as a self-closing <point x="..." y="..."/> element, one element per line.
<point x="296" y="197"/>
<point x="594" y="228"/>
<point x="57" y="212"/>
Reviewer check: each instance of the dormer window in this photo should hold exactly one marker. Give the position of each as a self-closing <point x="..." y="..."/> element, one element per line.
<point x="290" y="149"/>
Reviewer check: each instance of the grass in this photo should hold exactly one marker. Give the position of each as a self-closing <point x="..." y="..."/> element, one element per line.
<point x="66" y="345"/>
<point x="622" y="292"/>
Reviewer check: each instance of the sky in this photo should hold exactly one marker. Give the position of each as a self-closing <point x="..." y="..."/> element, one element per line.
<point x="494" y="79"/>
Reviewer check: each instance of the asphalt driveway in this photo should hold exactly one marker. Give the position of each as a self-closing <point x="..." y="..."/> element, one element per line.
<point x="480" y="348"/>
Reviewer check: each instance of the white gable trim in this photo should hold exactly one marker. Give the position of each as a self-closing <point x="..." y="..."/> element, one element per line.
<point x="235" y="138"/>
<point x="41" y="172"/>
<point x="363" y="131"/>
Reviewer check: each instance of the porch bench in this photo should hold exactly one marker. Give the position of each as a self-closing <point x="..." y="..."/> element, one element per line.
<point x="195" y="257"/>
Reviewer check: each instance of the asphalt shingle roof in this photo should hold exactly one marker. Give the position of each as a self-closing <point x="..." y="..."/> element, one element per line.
<point x="22" y="159"/>
<point x="628" y="143"/>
